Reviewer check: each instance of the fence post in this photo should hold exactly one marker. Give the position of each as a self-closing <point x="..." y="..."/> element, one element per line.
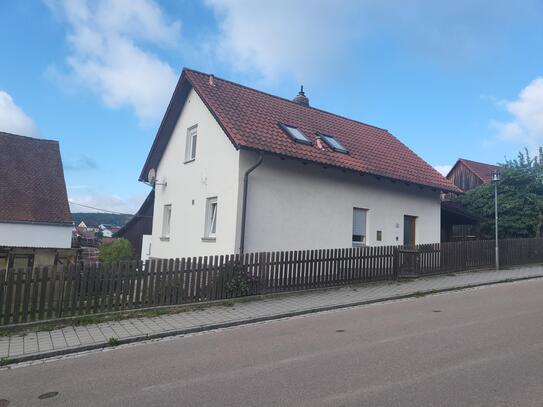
<point x="395" y="263"/>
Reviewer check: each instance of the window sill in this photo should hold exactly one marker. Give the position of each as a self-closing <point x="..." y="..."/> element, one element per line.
<point x="164" y="239"/>
<point x="189" y="161"/>
<point x="209" y="239"/>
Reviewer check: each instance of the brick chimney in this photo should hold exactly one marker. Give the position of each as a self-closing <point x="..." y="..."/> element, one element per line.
<point x="301" y="98"/>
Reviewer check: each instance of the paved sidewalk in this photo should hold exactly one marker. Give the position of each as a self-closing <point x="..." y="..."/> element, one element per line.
<point x="74" y="339"/>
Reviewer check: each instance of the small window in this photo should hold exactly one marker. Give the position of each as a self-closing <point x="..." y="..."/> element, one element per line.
<point x="359" y="226"/>
<point x="190" y="148"/>
<point x="295" y="133"/>
<point x="211" y="218"/>
<point x="333" y="143"/>
<point x="166" y="219"/>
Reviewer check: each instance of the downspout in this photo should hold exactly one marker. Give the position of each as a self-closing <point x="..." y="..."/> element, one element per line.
<point x="244" y="207"/>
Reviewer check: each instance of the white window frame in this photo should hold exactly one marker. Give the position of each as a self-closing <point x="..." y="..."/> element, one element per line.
<point x="364" y="240"/>
<point x="166" y="221"/>
<point x="191" y="143"/>
<point x="210" y="232"/>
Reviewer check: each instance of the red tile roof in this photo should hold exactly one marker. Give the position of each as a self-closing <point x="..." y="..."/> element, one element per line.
<point x="32" y="187"/>
<point x="481" y="170"/>
<point x="251" y="120"/>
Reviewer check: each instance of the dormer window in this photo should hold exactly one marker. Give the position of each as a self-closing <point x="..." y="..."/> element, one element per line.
<point x="295" y="134"/>
<point x="333" y="143"/>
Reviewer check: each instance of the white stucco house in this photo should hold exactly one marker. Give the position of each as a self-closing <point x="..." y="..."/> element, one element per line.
<point x="35" y="220"/>
<point x="238" y="170"/>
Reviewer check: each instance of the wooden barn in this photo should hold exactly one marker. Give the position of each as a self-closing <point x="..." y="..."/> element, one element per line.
<point x="467" y="174"/>
<point x="139" y="226"/>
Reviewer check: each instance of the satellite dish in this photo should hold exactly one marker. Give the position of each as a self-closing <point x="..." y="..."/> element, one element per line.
<point x="151" y="176"/>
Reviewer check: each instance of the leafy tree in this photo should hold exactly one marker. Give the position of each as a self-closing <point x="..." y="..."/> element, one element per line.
<point x="118" y="250"/>
<point x="520" y="199"/>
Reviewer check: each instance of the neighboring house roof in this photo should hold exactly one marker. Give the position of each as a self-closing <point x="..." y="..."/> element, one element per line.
<point x="91" y="223"/>
<point x="250" y="118"/>
<point x="480" y="170"/>
<point x="32" y="186"/>
<point x="145" y="212"/>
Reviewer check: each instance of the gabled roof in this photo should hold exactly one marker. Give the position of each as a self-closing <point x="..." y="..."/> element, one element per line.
<point x="480" y="170"/>
<point x="90" y="223"/>
<point x="250" y="118"/>
<point x="32" y="187"/>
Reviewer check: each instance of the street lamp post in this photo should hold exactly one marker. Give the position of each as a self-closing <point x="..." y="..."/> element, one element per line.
<point x="495" y="180"/>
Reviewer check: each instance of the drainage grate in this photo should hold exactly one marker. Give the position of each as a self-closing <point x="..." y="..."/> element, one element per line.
<point x="340" y="330"/>
<point x="48" y="395"/>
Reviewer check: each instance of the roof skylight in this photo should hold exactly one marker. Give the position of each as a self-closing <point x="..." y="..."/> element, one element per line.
<point x="295" y="133"/>
<point x="333" y="143"/>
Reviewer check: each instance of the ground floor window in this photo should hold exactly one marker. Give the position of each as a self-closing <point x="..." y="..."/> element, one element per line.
<point x="19" y="261"/>
<point x="211" y="218"/>
<point x="359" y="226"/>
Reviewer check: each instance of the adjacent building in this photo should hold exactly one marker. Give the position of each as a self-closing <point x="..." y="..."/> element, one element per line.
<point x="35" y="219"/>
<point x="467" y="174"/>
<point x="236" y="170"/>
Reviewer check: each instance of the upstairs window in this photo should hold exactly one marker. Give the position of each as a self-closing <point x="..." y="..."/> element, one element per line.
<point x="333" y="143"/>
<point x="190" y="148"/>
<point x="359" y="226"/>
<point x="295" y="134"/>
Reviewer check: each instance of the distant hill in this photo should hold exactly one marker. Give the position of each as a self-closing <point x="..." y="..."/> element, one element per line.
<point x="98" y="217"/>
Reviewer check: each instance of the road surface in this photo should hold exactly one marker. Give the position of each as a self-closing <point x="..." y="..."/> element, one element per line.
<point x="481" y="347"/>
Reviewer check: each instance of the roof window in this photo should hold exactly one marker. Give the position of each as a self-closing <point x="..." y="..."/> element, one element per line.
<point x="295" y="133"/>
<point x="333" y="143"/>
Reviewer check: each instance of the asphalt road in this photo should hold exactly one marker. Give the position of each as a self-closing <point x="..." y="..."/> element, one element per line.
<point x="480" y="347"/>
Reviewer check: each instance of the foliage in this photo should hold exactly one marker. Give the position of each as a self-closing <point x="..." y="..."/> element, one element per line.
<point x="241" y="283"/>
<point x="520" y="199"/>
<point x="112" y="341"/>
<point x="118" y="250"/>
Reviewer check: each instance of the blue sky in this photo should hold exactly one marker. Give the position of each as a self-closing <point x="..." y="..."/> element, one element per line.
<point x="449" y="79"/>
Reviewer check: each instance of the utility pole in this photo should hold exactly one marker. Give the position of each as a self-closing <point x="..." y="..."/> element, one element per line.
<point x="495" y="180"/>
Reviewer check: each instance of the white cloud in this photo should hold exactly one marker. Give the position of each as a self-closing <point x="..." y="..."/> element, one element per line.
<point x="109" y="42"/>
<point x="526" y="124"/>
<point x="13" y="119"/>
<point x="305" y="40"/>
<point x="443" y="169"/>
<point x="112" y="203"/>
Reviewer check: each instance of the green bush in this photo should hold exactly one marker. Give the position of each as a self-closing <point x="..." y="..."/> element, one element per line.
<point x="118" y="250"/>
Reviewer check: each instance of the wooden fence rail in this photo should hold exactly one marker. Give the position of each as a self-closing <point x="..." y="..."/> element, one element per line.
<point x="62" y="291"/>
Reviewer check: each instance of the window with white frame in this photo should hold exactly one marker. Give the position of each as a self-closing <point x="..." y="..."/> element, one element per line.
<point x="359" y="226"/>
<point x="166" y="220"/>
<point x="211" y="218"/>
<point x="190" y="148"/>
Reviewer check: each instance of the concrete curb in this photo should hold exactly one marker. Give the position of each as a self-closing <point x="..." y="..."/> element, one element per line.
<point x="210" y="327"/>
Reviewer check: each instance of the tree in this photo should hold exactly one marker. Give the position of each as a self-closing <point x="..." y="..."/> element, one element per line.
<point x="118" y="250"/>
<point x="520" y="199"/>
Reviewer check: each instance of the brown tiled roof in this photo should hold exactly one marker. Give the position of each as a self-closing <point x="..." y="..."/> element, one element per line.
<point x="251" y="120"/>
<point x="481" y="170"/>
<point x="32" y="187"/>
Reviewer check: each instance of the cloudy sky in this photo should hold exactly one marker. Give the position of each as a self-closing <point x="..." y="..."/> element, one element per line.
<point x="449" y="79"/>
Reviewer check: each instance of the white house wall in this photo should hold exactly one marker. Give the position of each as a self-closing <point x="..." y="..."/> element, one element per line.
<point x="296" y="206"/>
<point x="35" y="235"/>
<point x="214" y="173"/>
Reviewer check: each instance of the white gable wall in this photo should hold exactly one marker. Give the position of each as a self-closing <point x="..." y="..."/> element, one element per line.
<point x="35" y="235"/>
<point x="295" y="206"/>
<point x="214" y="173"/>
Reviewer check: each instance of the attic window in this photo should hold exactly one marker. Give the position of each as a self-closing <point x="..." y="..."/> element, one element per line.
<point x="333" y="143"/>
<point x="295" y="133"/>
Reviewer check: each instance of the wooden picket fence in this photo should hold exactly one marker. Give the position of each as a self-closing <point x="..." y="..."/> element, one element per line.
<point x="46" y="293"/>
